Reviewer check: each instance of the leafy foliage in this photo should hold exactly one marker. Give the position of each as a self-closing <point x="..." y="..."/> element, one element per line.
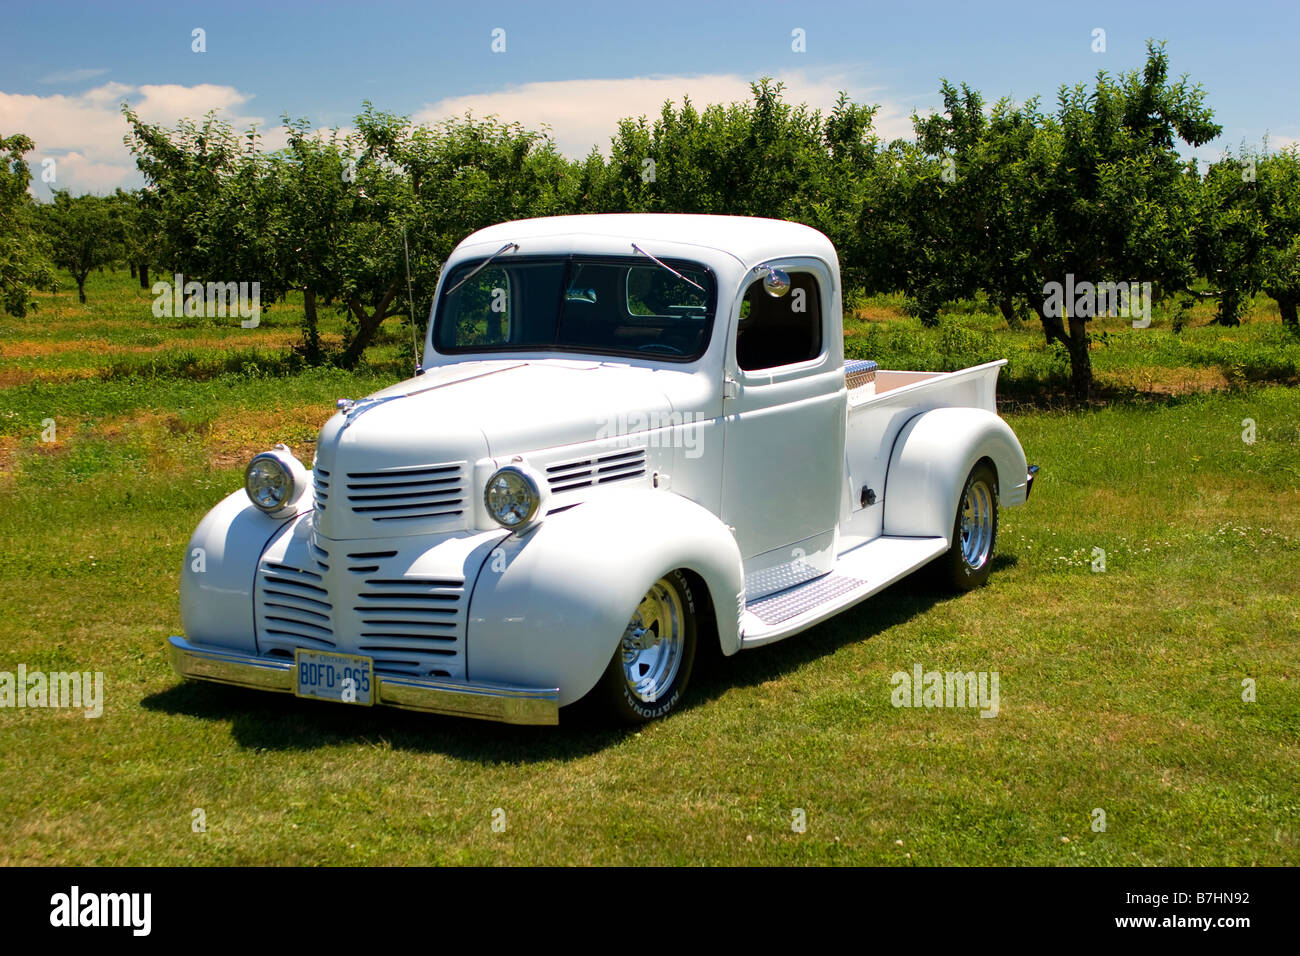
<point x="24" y="262"/>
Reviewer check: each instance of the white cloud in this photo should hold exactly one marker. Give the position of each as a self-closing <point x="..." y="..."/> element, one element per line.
<point x="83" y="132"/>
<point x="74" y="76"/>
<point x="585" y="113"/>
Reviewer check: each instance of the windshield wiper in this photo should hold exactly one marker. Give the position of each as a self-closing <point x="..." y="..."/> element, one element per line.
<point x="670" y="268"/>
<point x="483" y="264"/>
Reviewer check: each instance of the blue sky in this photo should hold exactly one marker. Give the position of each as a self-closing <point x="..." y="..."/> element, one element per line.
<point x="65" y="67"/>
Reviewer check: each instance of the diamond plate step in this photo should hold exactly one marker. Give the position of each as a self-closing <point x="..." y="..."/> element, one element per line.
<point x="794" y="601"/>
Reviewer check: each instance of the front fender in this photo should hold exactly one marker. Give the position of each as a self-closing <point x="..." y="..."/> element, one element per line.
<point x="219" y="572"/>
<point x="550" y="606"/>
<point x="932" y="456"/>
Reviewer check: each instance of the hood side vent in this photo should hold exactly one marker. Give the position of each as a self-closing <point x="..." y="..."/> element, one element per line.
<point x="596" y="470"/>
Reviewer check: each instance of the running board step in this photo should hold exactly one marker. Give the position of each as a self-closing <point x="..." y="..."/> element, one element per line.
<point x="794" y="601"/>
<point x="858" y="574"/>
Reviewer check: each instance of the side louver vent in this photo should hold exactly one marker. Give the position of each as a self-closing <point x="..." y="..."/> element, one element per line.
<point x="587" y="472"/>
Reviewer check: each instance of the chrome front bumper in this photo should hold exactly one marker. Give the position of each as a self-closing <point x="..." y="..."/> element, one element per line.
<point x="433" y="695"/>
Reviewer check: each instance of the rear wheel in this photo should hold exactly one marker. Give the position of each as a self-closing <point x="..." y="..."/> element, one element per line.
<point x="647" y="676"/>
<point x="969" y="560"/>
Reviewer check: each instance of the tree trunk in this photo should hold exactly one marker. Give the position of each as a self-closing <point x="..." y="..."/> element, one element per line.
<point x="1080" y="360"/>
<point x="1229" y="313"/>
<point x="132" y="270"/>
<point x="1007" y="307"/>
<point x="1286" y="304"/>
<point x="367" y="325"/>
<point x="1075" y="341"/>
<point x="81" y="289"/>
<point x="144" y="276"/>
<point x="310" y="331"/>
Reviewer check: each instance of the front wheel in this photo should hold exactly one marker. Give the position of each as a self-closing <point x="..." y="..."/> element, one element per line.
<point x="967" y="563"/>
<point x="647" y="676"/>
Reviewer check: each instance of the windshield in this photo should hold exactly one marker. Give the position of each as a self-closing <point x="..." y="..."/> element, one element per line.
<point x="612" y="306"/>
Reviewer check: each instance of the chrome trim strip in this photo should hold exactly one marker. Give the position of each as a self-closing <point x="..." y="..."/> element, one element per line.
<point x="437" y="695"/>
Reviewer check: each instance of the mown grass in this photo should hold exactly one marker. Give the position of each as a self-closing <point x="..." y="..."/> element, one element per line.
<point x="1120" y="689"/>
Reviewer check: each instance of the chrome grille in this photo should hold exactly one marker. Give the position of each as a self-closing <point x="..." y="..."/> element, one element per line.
<point x="400" y="494"/>
<point x="596" y="470"/>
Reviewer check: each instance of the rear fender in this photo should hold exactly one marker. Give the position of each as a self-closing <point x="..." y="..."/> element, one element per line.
<point x="932" y="457"/>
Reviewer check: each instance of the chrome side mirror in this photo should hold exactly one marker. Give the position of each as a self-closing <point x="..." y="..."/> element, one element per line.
<point x="776" y="282"/>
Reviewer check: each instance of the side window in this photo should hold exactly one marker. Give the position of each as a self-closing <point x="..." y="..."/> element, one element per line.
<point x="483" y="310"/>
<point x="780" y="331"/>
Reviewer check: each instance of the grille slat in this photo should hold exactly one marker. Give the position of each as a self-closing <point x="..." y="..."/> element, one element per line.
<point x="308" y="592"/>
<point x="447" y="506"/>
<point x="300" y="610"/>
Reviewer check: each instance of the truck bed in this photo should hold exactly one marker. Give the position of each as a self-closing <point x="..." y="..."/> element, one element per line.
<point x="877" y="411"/>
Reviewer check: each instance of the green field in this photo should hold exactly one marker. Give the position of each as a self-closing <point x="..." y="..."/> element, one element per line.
<point x="1120" y="690"/>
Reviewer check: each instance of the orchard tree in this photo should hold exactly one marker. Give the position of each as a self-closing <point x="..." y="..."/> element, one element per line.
<point x="763" y="157"/>
<point x="1280" y="176"/>
<point x="1250" y="235"/>
<point x="321" y="201"/>
<point x="85" y="233"/>
<point x="211" y="203"/>
<point x="1119" y="204"/>
<point x="139" y="236"/>
<point x="425" y="188"/>
<point x="1096" y="191"/>
<point x="981" y="171"/>
<point x="24" y="252"/>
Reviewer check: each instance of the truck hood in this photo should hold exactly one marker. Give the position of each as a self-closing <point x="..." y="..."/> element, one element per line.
<point x="499" y="408"/>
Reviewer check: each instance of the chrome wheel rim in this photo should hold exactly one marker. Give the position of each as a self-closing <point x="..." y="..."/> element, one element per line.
<point x="977" y="510"/>
<point x="654" y="643"/>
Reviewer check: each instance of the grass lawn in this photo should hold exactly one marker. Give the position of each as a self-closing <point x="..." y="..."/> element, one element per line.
<point x="1120" y="690"/>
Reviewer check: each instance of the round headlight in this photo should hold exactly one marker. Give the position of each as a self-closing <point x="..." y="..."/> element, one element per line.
<point x="274" y="480"/>
<point x="513" y="497"/>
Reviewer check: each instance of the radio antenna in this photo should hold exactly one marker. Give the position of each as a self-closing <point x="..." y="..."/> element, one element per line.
<point x="410" y="301"/>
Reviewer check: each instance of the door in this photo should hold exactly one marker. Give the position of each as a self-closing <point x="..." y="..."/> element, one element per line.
<point x="784" y="420"/>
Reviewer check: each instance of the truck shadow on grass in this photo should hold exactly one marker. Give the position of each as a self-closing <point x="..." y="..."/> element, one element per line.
<point x="280" y="722"/>
<point x="897" y="604"/>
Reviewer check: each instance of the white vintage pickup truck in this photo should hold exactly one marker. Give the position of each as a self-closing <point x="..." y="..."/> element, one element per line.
<point x="633" y="435"/>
